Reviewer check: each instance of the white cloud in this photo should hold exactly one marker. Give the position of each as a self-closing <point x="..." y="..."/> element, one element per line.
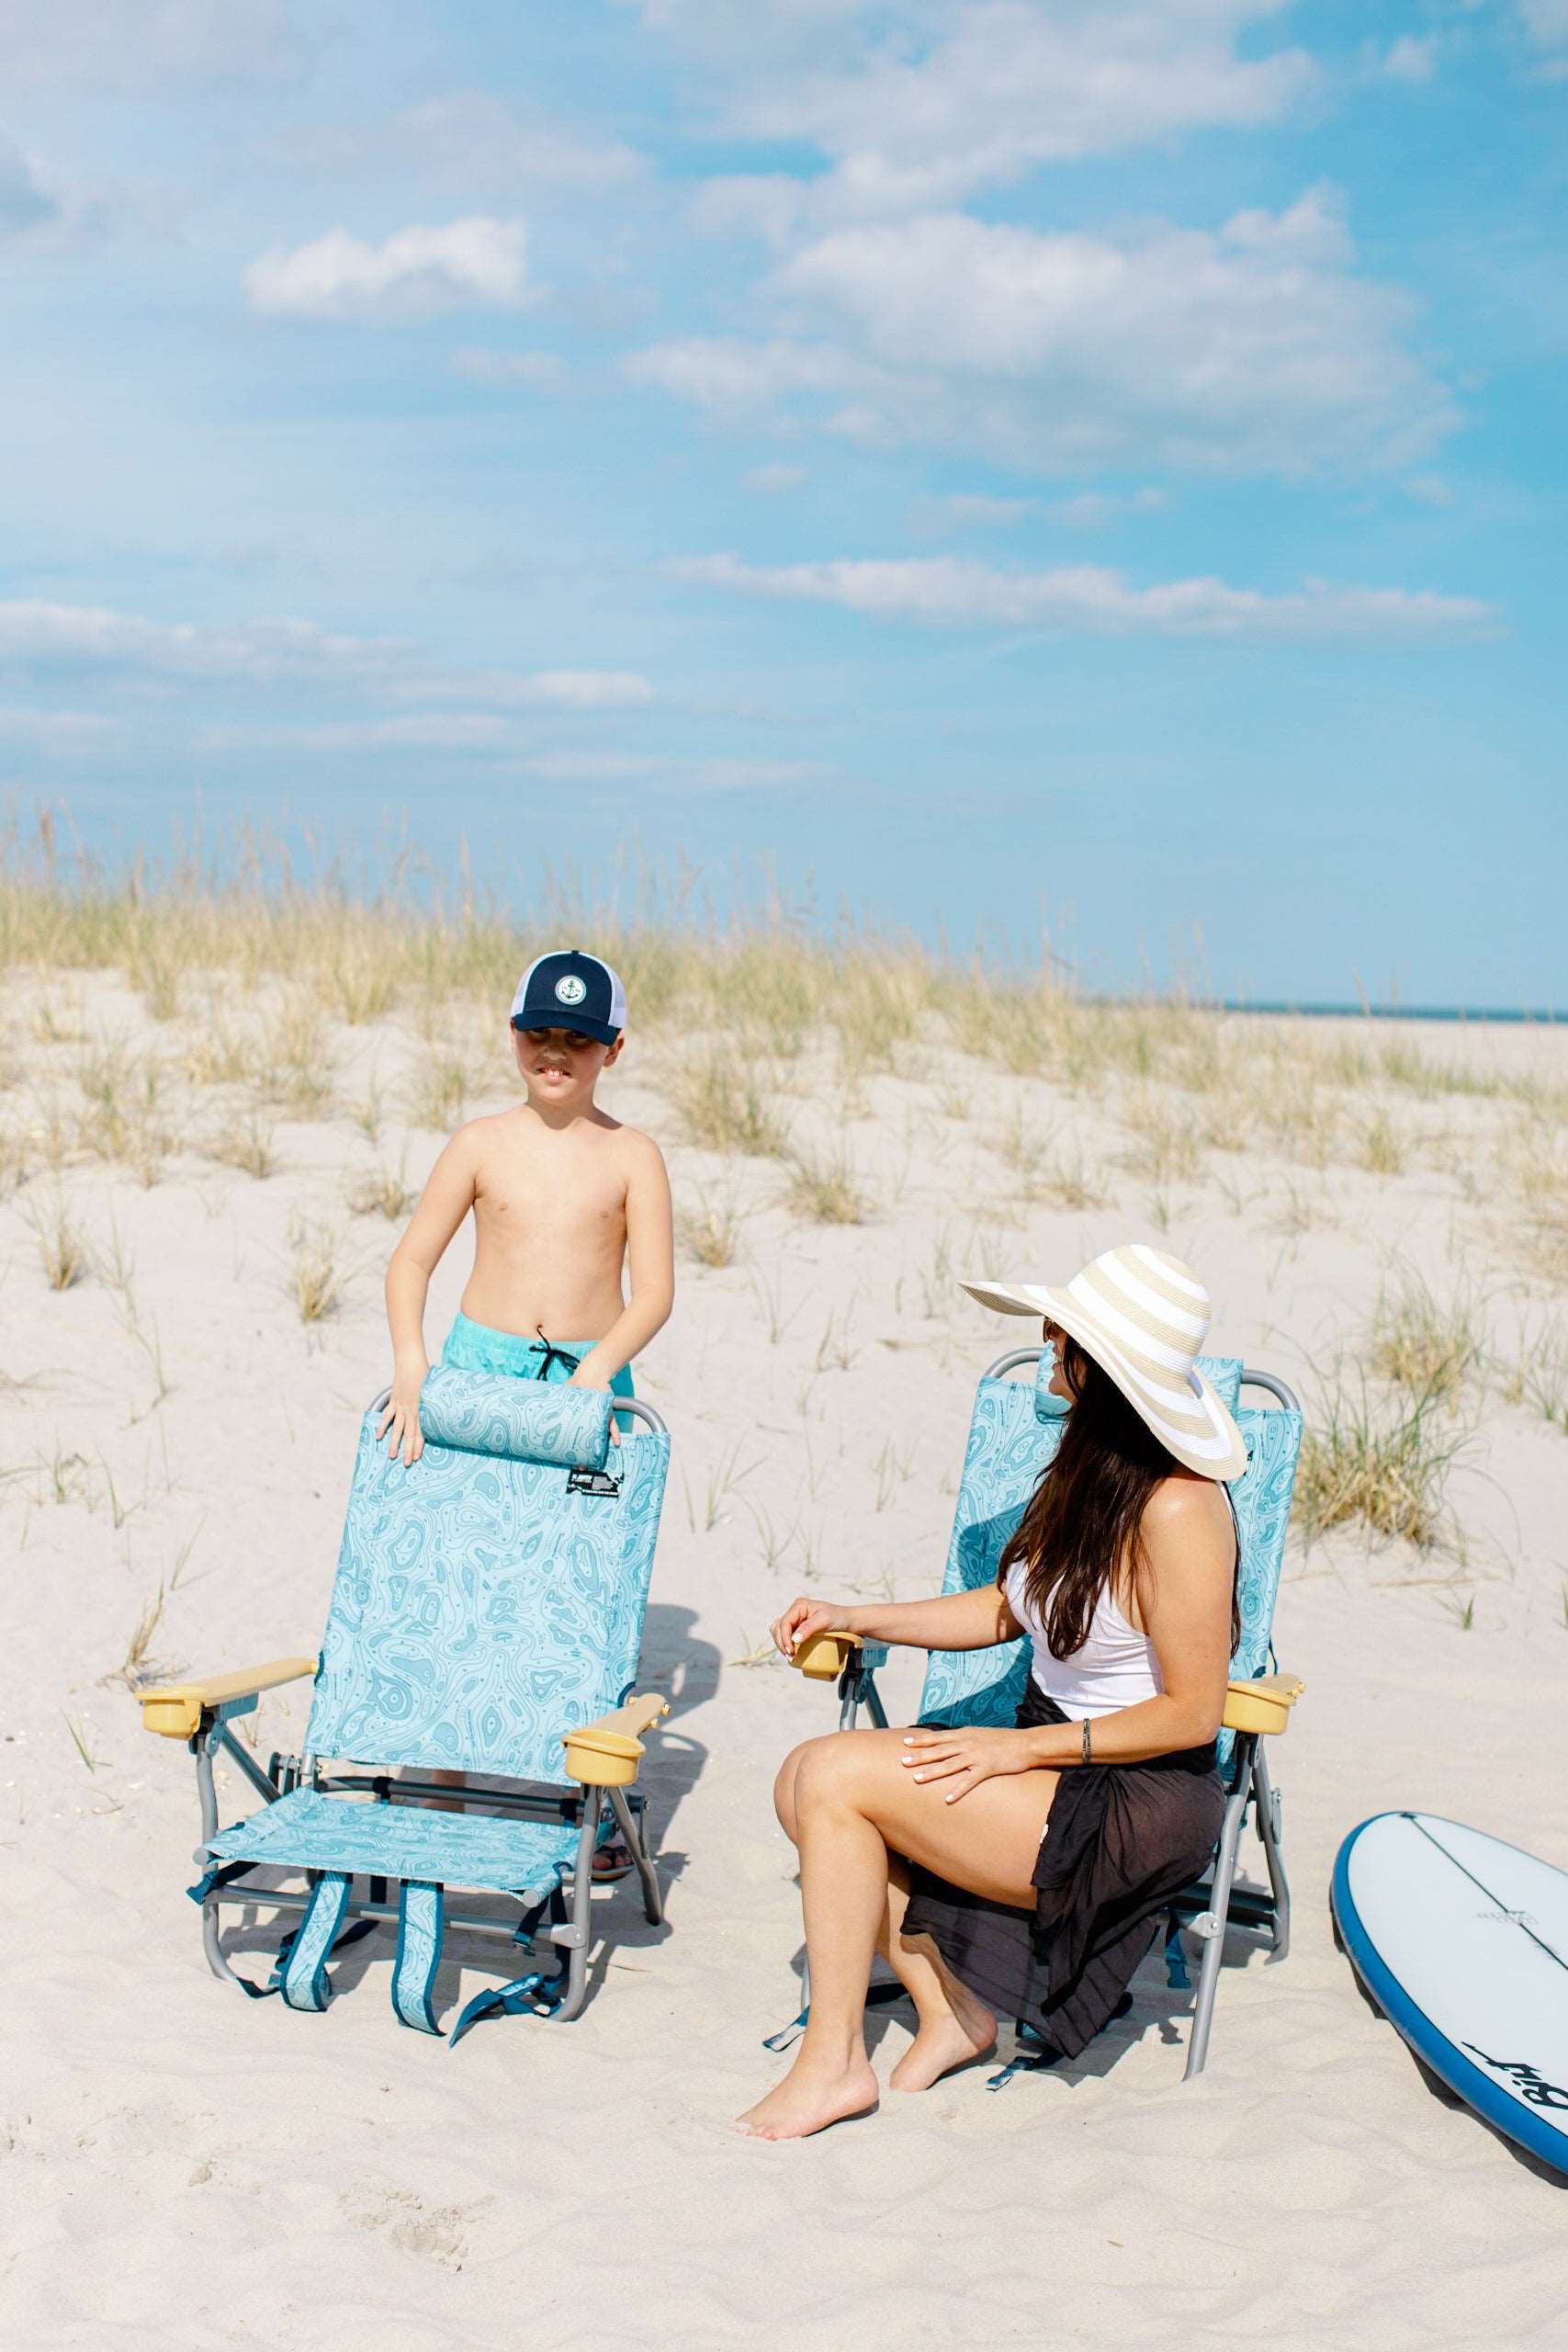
<point x="1411" y="58"/>
<point x="1545" y="27"/>
<point x="1093" y="510"/>
<point x="975" y="511"/>
<point x="1088" y="510"/>
<point x="1429" y="489"/>
<point x="470" y="143"/>
<point x="545" y="689"/>
<point x="484" y="735"/>
<point x="1254" y="348"/>
<point x="38" y="637"/>
<point x="537" y="371"/>
<point x="951" y="591"/>
<point x="951" y="96"/>
<point x="56" y="733"/>
<point x="139" y="45"/>
<point x="24" y="204"/>
<point x="775" y="482"/>
<point x="476" y="264"/>
<point x="92" y="637"/>
<point x="726" y="373"/>
<point x="1545" y="22"/>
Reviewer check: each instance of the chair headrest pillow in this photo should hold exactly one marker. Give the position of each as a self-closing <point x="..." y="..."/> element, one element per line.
<point x="528" y="1420"/>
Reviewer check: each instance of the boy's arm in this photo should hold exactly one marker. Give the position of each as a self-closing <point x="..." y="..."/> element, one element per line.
<point x="443" y="1204"/>
<point x="650" y="1267"/>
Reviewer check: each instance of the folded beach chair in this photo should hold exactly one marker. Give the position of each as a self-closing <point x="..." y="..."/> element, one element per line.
<point x="1011" y="1441"/>
<point x="486" y="1617"/>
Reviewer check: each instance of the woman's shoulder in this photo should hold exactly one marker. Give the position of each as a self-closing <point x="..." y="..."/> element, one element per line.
<point x="1185" y="1506"/>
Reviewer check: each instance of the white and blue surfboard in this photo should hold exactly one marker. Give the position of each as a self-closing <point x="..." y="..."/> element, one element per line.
<point x="1463" y="1943"/>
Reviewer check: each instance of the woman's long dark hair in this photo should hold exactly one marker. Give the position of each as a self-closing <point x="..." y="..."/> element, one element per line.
<point x="1083" y="1527"/>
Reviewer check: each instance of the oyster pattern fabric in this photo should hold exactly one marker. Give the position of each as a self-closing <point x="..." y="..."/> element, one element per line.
<point x="310" y="1830"/>
<point x="1009" y="1447"/>
<point x="484" y="1412"/>
<point x="482" y="1607"/>
<point x="1262" y="1502"/>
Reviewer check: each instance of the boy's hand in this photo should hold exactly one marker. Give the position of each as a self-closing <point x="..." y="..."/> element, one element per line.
<point x="585" y="1376"/>
<point x="401" y="1414"/>
<point x="803" y="1618"/>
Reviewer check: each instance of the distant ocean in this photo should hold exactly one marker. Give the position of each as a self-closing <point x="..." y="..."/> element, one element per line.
<point x="1477" y="1013"/>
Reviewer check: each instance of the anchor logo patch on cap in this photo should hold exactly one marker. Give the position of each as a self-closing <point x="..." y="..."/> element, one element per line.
<point x="571" y="989"/>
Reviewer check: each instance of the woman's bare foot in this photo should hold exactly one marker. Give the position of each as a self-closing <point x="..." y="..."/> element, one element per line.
<point x="965" y="2032"/>
<point x="809" y="2099"/>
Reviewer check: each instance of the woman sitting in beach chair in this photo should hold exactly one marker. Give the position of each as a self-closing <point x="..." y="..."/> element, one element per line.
<point x="1021" y="1871"/>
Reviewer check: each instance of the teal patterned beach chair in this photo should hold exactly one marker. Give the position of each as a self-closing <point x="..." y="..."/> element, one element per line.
<point x="486" y="1618"/>
<point x="1011" y="1442"/>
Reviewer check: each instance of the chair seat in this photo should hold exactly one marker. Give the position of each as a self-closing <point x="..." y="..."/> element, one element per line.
<point x="309" y="1830"/>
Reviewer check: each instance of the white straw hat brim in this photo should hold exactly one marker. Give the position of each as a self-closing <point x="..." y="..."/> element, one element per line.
<point x="1160" y="1383"/>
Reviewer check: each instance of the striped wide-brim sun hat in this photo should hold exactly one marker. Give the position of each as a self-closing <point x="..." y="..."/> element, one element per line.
<point x="1143" y="1318"/>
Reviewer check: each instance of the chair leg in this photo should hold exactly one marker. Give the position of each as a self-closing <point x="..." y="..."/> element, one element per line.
<point x="574" y="1937"/>
<point x="1211" y="1928"/>
<point x="1267" y="1805"/>
<point x="652" y="1900"/>
<point x="211" y="1913"/>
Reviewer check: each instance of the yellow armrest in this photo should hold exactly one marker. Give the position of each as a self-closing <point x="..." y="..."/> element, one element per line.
<point x="176" y="1711"/>
<point x="605" y="1755"/>
<point x="1263" y="1704"/>
<point x="824" y="1657"/>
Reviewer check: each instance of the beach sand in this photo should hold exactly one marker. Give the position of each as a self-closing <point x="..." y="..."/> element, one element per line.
<point x="184" y="2166"/>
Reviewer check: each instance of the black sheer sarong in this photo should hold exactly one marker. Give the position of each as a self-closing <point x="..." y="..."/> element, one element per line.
<point x="1122" y="1840"/>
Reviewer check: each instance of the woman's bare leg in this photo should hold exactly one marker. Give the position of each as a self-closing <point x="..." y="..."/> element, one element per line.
<point x="843" y="1895"/>
<point x="852" y="1809"/>
<point x="953" y="2026"/>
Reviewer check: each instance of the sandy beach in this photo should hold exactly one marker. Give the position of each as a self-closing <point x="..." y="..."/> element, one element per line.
<point x="1381" y="1215"/>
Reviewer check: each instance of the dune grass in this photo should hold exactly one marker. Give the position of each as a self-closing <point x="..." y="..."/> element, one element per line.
<point x="710" y="1233"/>
<point x="1428" y="1346"/>
<point x="316" y="1276"/>
<point x="722" y="1107"/>
<point x="824" y="1189"/>
<point x="1385" y="1465"/>
<point x="63" y="1252"/>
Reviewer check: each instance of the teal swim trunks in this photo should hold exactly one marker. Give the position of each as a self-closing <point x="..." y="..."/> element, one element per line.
<point x="474" y="1347"/>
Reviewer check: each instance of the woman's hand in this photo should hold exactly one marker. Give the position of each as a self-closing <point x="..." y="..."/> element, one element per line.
<point x="964" y="1758"/>
<point x="803" y="1618"/>
<point x="400" y="1413"/>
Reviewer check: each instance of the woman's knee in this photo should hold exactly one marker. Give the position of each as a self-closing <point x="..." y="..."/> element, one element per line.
<point x="834" y="1768"/>
<point x="785" y="1787"/>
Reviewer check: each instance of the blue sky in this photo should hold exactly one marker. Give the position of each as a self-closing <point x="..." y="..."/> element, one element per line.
<point x="1094" y="463"/>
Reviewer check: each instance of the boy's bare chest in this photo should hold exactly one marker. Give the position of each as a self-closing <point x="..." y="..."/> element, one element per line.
<point x="530" y="1195"/>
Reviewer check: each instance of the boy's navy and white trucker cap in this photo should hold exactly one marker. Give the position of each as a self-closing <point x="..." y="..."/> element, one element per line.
<point x="568" y="990"/>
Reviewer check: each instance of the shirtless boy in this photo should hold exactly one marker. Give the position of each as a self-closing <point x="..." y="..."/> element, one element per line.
<point x="561" y="1196"/>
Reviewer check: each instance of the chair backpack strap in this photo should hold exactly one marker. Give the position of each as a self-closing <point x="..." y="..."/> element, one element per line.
<point x="422" y="1923"/>
<point x="305" y="1981"/>
<point x="536" y="1993"/>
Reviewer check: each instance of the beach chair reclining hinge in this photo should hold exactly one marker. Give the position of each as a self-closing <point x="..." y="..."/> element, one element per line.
<point x="593" y="1482"/>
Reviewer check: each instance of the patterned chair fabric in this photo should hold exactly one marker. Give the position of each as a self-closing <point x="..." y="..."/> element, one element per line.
<point x="308" y="1830"/>
<point x="483" y="1604"/>
<point x="481" y="1412"/>
<point x="1009" y="1444"/>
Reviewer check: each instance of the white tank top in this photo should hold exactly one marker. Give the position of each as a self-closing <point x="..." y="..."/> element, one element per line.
<point x="1115" y="1667"/>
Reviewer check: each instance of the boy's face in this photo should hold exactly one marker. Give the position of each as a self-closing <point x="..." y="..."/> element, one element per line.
<point x="560" y="1067"/>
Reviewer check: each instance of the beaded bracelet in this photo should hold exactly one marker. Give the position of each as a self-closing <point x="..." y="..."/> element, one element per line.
<point x="1085" y="1758"/>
